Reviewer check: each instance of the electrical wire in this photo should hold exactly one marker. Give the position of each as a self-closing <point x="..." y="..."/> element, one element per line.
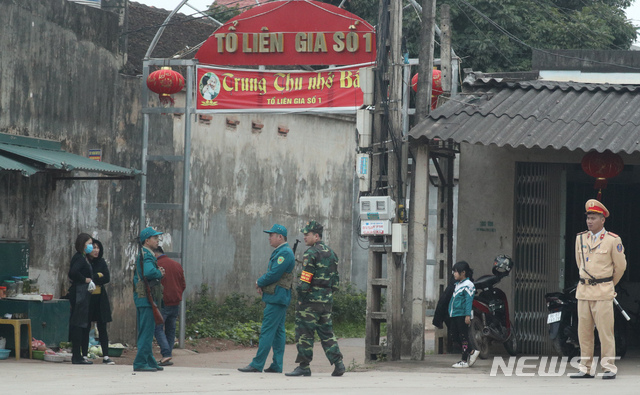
<point x="191" y="16"/>
<point x="187" y="51"/>
<point x="519" y="41"/>
<point x="484" y="35"/>
<point x="545" y="7"/>
<point x="602" y="16"/>
<point x="568" y="14"/>
<point x="171" y="23"/>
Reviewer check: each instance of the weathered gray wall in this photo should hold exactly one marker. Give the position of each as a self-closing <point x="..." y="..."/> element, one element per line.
<point x="485" y="194"/>
<point x="243" y="180"/>
<point x="59" y="80"/>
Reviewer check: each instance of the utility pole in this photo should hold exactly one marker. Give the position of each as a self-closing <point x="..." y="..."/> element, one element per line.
<point x="425" y="70"/>
<point x="415" y="276"/>
<point x="445" y="49"/>
<point x="395" y="165"/>
<point x="387" y="179"/>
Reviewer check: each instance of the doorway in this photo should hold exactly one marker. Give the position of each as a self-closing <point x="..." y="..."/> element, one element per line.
<point x="538" y="249"/>
<point x="549" y="212"/>
<point x="620" y="198"/>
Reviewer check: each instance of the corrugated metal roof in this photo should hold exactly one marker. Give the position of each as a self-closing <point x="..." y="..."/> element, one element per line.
<point x="12" y="165"/>
<point x="30" y="155"/>
<point x="541" y="114"/>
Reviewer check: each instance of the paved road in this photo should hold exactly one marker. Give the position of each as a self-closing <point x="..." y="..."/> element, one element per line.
<point x="216" y="373"/>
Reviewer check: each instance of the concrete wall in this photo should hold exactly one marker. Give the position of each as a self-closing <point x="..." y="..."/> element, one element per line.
<point x="485" y="195"/>
<point x="245" y="179"/>
<point x="59" y="80"/>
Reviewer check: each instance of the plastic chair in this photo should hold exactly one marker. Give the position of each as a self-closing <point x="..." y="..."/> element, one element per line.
<point x="17" y="324"/>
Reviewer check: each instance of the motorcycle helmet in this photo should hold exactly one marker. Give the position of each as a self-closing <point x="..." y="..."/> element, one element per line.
<point x="502" y="265"/>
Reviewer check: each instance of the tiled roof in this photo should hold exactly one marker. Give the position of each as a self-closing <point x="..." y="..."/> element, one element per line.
<point x="239" y="3"/>
<point x="541" y="114"/>
<point x="183" y="32"/>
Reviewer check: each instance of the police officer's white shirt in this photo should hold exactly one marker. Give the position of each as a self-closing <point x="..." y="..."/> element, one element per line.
<point x="597" y="235"/>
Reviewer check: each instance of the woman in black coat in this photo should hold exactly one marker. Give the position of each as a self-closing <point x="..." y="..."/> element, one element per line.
<point x="99" y="307"/>
<point x="81" y="275"/>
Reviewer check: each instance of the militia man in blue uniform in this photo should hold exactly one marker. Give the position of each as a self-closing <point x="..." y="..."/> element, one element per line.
<point x="318" y="281"/>
<point x="147" y="269"/>
<point x="275" y="287"/>
<point x="601" y="263"/>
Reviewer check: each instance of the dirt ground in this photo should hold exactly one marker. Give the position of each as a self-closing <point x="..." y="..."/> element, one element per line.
<point x="192" y="347"/>
<point x="224" y="354"/>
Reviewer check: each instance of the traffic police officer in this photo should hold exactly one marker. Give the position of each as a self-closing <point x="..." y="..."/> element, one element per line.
<point x="601" y="263"/>
<point x="318" y="281"/>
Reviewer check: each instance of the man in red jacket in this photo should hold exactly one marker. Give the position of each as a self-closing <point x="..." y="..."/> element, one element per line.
<point x="174" y="285"/>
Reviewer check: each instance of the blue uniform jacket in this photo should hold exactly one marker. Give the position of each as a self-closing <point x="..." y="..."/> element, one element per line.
<point x="281" y="261"/>
<point x="462" y="299"/>
<point x="151" y="272"/>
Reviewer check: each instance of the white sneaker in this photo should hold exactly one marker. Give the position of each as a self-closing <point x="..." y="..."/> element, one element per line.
<point x="460" y="364"/>
<point x="473" y="357"/>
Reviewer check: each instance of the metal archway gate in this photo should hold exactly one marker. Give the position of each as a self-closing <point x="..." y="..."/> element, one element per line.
<point x="538" y="251"/>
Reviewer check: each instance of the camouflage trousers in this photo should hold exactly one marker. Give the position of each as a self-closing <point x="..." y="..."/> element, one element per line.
<point x="312" y="318"/>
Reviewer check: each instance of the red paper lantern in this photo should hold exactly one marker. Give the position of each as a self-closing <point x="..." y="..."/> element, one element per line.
<point x="602" y="166"/>
<point x="165" y="82"/>
<point x="436" y="86"/>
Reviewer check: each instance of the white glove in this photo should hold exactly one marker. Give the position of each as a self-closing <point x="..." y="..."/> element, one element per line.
<point x="92" y="287"/>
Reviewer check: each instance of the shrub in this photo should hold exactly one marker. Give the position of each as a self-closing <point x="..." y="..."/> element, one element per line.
<point x="349" y="311"/>
<point x="239" y="317"/>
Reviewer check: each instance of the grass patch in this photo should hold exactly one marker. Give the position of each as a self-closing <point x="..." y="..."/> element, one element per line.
<point x="239" y="317"/>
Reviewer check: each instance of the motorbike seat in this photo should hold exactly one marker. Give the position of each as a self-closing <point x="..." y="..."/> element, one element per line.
<point x="486" y="281"/>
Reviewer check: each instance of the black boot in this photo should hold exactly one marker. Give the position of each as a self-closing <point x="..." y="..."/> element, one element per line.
<point x="300" y="371"/>
<point x="339" y="369"/>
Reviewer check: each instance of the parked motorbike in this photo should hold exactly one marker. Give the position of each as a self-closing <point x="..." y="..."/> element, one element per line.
<point x="491" y="322"/>
<point x="563" y="324"/>
<point x="563" y="321"/>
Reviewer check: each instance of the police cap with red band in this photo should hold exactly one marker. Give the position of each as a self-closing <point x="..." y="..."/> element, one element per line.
<point x="593" y="206"/>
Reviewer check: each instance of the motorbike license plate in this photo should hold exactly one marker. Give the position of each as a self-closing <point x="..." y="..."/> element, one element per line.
<point x="554" y="317"/>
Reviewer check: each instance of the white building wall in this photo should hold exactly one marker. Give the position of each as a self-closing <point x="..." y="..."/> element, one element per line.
<point x="244" y="179"/>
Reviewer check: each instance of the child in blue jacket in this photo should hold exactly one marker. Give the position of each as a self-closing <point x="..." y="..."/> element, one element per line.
<point x="460" y="312"/>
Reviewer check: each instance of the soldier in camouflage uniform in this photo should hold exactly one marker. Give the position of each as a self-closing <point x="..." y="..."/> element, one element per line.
<point x="318" y="281"/>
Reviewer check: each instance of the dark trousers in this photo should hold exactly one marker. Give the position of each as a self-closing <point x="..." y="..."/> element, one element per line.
<point x="460" y="332"/>
<point x="104" y="337"/>
<point x="95" y="315"/>
<point x="80" y="339"/>
<point x="166" y="333"/>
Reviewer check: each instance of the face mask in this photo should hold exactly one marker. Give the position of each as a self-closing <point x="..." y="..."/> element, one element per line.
<point x="88" y="249"/>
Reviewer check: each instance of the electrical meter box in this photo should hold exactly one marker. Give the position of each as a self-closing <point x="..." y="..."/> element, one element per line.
<point x="366" y="84"/>
<point x="375" y="227"/>
<point x="364" y="119"/>
<point x="363" y="171"/>
<point x="377" y="208"/>
<point x="399" y="238"/>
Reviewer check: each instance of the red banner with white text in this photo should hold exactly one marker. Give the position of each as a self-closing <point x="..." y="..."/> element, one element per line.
<point x="239" y="90"/>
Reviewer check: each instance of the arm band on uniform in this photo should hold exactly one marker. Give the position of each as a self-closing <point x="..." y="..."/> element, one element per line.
<point x="306" y="277"/>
